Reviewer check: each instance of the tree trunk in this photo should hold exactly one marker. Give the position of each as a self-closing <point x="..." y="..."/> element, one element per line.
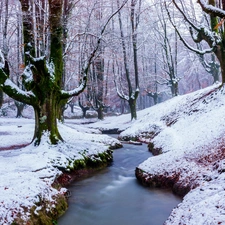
<point x="83" y="108"/>
<point x="71" y="107"/>
<point x="133" y="110"/>
<point x="100" y="112"/>
<point x="46" y="120"/>
<point x="84" y="111"/>
<point x="20" y="106"/>
<point x="1" y="97"/>
<point x="42" y="76"/>
<point x="221" y="57"/>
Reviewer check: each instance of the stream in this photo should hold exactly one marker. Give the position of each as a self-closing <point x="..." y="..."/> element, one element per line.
<point x="113" y="196"/>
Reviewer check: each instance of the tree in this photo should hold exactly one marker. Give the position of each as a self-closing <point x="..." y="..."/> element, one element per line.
<point x="133" y="90"/>
<point x="212" y="34"/>
<point x="4" y="35"/>
<point x="98" y="70"/>
<point x="84" y="107"/>
<point x="42" y="76"/>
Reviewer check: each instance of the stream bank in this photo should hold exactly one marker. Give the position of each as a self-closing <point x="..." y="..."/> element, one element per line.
<point x="114" y="196"/>
<point x="46" y="212"/>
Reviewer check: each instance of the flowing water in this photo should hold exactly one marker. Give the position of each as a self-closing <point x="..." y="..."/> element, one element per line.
<point x="113" y="196"/>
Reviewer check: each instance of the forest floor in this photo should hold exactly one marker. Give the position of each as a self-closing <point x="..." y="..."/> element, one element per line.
<point x="29" y="190"/>
<point x="187" y="133"/>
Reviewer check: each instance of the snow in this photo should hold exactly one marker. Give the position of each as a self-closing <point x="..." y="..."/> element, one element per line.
<point x="27" y="74"/>
<point x="77" y="90"/>
<point x="28" y="173"/>
<point x="190" y="133"/>
<point x="51" y="69"/>
<point x="211" y="8"/>
<point x="14" y="87"/>
<point x="2" y="60"/>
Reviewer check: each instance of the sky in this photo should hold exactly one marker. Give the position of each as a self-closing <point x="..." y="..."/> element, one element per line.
<point x="190" y="134"/>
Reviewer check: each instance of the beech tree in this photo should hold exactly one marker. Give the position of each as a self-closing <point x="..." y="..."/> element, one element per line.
<point x="42" y="76"/>
<point x="211" y="33"/>
<point x="130" y="72"/>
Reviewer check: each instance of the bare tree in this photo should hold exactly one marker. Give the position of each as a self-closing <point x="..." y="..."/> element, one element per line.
<point x="133" y="90"/>
<point x="42" y="76"/>
<point x="212" y="33"/>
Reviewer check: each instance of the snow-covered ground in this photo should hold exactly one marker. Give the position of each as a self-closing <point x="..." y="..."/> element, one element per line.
<point x="27" y="173"/>
<point x="189" y="130"/>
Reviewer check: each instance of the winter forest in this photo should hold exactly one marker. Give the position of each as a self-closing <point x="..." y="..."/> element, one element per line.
<point x="135" y="52"/>
<point x="71" y="71"/>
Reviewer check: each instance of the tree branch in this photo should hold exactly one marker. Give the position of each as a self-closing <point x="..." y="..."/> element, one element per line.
<point x="202" y="32"/>
<point x="83" y="83"/>
<point x="209" y="9"/>
<point x="10" y="88"/>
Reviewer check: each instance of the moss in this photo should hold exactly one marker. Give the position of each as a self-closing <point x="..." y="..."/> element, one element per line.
<point x="153" y="149"/>
<point x="91" y="161"/>
<point x="47" y="215"/>
<point x="79" y="164"/>
<point x="128" y="138"/>
<point x="100" y="160"/>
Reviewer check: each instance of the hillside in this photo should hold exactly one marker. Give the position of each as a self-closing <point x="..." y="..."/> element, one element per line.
<point x="185" y="133"/>
<point x="189" y="132"/>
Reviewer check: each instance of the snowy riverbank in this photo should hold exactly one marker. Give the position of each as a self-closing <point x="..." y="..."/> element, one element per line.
<point x="189" y="131"/>
<point x="27" y="174"/>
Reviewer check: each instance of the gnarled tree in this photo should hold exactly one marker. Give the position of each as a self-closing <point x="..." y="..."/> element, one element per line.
<point x="42" y="76"/>
<point x="213" y="35"/>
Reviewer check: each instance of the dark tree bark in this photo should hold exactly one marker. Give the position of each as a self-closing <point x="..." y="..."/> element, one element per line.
<point x="84" y="107"/>
<point x="19" y="106"/>
<point x="1" y="97"/>
<point x="42" y="76"/>
<point x="98" y="82"/>
<point x="132" y="94"/>
<point x="214" y="36"/>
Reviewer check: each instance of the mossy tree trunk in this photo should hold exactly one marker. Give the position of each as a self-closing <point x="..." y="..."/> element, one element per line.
<point x="1" y="97"/>
<point x="42" y="77"/>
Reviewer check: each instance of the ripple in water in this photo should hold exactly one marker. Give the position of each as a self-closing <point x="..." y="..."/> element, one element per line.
<point x="114" y="197"/>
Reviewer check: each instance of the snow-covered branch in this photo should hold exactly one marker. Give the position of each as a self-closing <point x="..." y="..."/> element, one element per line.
<point x="202" y="34"/>
<point x="183" y="14"/>
<point x="16" y="93"/>
<point x="10" y="88"/>
<point x="2" y="60"/>
<point x="76" y="91"/>
<point x="83" y="83"/>
<point x="211" y="9"/>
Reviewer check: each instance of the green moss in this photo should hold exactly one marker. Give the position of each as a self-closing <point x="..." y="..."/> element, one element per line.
<point x="45" y="216"/>
<point x="79" y="164"/>
<point x="48" y="215"/>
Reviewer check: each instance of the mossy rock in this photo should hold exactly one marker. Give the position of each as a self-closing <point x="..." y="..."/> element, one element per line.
<point x="153" y="150"/>
<point x="44" y="216"/>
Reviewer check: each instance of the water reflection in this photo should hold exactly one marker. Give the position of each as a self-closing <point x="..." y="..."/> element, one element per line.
<point x="114" y="197"/>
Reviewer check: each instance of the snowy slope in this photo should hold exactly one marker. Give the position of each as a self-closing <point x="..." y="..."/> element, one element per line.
<point x="189" y="131"/>
<point x="27" y="174"/>
<point x="191" y="137"/>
